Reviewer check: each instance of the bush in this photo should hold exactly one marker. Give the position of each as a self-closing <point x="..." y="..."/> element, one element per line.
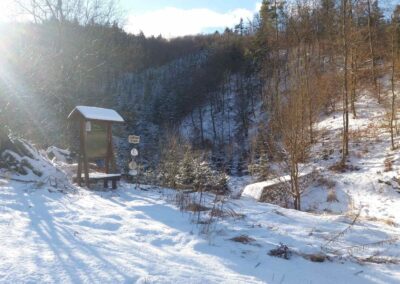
<point x="281" y="251"/>
<point x="171" y="156"/>
<point x="196" y="173"/>
<point x="190" y="170"/>
<point x="260" y="168"/>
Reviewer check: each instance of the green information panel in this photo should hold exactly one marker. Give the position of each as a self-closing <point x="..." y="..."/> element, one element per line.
<point x="96" y="140"/>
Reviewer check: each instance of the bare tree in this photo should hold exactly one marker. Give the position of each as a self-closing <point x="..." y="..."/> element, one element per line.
<point x="345" y="141"/>
<point x="290" y="126"/>
<point x="372" y="51"/>
<point x="294" y="143"/>
<point x="83" y="11"/>
<point x="394" y="52"/>
<point x="354" y="57"/>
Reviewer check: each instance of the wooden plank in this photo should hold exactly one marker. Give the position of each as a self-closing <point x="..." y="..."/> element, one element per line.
<point x="94" y="177"/>
<point x="99" y="176"/>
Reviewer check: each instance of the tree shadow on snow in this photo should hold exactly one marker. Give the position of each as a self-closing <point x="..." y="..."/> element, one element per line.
<point x="71" y="254"/>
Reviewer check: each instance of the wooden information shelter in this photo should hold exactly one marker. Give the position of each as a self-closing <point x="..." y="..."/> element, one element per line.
<point x="95" y="142"/>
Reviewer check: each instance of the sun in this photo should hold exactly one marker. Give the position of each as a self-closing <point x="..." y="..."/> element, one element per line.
<point x="8" y="10"/>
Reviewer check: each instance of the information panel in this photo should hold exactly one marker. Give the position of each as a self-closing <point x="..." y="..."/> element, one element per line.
<point x="96" y="141"/>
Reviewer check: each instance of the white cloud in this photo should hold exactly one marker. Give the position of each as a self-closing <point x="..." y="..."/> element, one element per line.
<point x="258" y="6"/>
<point x="173" y="22"/>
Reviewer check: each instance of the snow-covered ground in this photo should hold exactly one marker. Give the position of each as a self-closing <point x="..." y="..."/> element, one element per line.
<point x="134" y="235"/>
<point x="138" y="235"/>
<point x="121" y="237"/>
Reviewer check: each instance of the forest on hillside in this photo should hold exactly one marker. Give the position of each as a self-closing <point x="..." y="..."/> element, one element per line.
<point x="236" y="101"/>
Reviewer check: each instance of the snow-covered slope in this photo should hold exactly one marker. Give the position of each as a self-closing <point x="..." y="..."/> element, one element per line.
<point x="370" y="183"/>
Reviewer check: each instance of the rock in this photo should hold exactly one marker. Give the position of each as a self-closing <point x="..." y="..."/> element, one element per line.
<point x="16" y="155"/>
<point x="317" y="257"/>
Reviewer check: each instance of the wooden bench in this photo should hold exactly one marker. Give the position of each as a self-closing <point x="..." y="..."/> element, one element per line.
<point x="94" y="177"/>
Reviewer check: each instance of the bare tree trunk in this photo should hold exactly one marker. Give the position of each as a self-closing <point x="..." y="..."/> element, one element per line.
<point x="393" y="110"/>
<point x="372" y="52"/>
<point x="213" y="120"/>
<point x="295" y="185"/>
<point x="353" y="58"/>
<point x="353" y="81"/>
<point x="276" y="66"/>
<point x="223" y="113"/>
<point x="228" y="108"/>
<point x="192" y="118"/>
<point x="309" y="97"/>
<point x="345" y="142"/>
<point x="201" y="126"/>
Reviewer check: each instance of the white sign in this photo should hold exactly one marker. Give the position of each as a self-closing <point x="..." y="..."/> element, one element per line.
<point x="134" y="152"/>
<point x="133" y="172"/>
<point x="88" y="126"/>
<point x="134" y="139"/>
<point x="133" y="165"/>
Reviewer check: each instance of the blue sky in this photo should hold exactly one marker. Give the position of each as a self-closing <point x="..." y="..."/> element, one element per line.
<point x="172" y="18"/>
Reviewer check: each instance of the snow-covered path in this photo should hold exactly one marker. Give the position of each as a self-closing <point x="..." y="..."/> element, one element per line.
<point x="136" y="236"/>
<point x="127" y="236"/>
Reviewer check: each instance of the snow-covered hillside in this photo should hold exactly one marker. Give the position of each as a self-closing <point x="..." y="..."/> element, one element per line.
<point x="221" y="117"/>
<point x="370" y="183"/>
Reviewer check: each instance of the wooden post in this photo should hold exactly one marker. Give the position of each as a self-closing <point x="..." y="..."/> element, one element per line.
<point x="81" y="147"/>
<point x="84" y="152"/>
<point x="79" y="174"/>
<point x="109" y="148"/>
